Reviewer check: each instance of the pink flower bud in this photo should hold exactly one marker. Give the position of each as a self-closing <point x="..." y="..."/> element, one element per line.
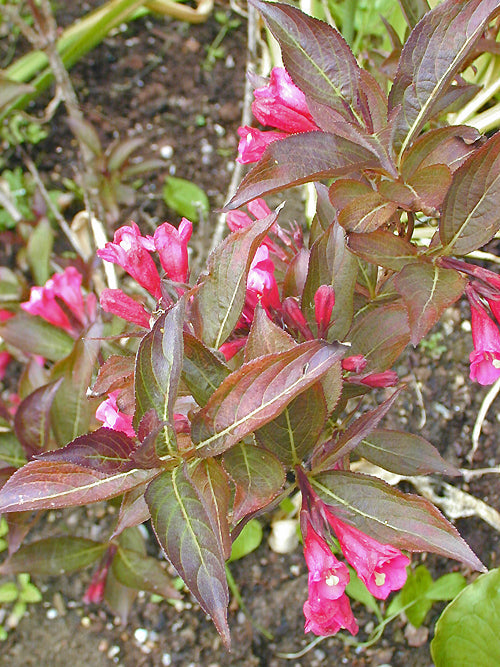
<point x="356" y="363"/>
<point x="232" y="347"/>
<point x="384" y="379"/>
<point x="109" y="413"/>
<point x="118" y="303"/>
<point x="253" y="143"/>
<point x="294" y="317"/>
<point x="171" y="244"/>
<point x="324" y="300"/>
<point x="130" y="250"/>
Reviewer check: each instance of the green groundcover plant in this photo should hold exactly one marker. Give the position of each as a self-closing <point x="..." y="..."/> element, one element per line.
<point x="199" y="404"/>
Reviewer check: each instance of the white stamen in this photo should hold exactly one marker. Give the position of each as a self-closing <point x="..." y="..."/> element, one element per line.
<point x="331" y="580"/>
<point x="379" y="578"/>
<point x="496" y="363"/>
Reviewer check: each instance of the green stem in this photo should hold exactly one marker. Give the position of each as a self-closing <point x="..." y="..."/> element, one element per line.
<point x="348" y="22"/>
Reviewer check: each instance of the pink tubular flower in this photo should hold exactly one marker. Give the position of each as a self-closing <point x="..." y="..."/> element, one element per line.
<point x="232" y="347"/>
<point x="261" y="284"/>
<point x="63" y="288"/>
<point x="324" y="300"/>
<point x="118" y="303"/>
<point x="381" y="567"/>
<point x="355" y="363"/>
<point x="294" y="317"/>
<point x="385" y="379"/>
<point x="253" y="143"/>
<point x="330" y="617"/>
<point x="282" y="105"/>
<point x="130" y="250"/>
<point x="171" y="244"/>
<point x="110" y="415"/>
<point x="485" y="358"/>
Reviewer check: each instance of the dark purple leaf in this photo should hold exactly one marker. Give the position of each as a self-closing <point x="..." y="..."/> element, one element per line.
<point x="366" y="213"/>
<point x="258" y="392"/>
<point x="133" y="510"/>
<point x="115" y="373"/>
<point x="54" y="556"/>
<point x="430" y="185"/>
<point x="381" y="335"/>
<point x="301" y="158"/>
<point x="49" y="485"/>
<point x="293" y="434"/>
<point x="316" y="56"/>
<point x="32" y="419"/>
<point x="470" y="211"/>
<point x="265" y="337"/>
<point x="258" y="476"/>
<point x="20" y="524"/>
<point x="212" y="484"/>
<point x="185" y="532"/>
<point x="202" y="370"/>
<point x="433" y="55"/>
<point x="404" y="520"/>
<point x="295" y="276"/>
<point x="403" y="454"/>
<point x="331" y="263"/>
<point x="328" y="454"/>
<point x="104" y="450"/>
<point x="427" y="291"/>
<point x="219" y="300"/>
<point x="383" y="248"/>
<point x="157" y="373"/>
<point x="32" y="335"/>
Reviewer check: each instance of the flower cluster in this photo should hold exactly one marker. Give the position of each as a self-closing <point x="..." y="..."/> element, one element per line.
<point x="381" y="567"/>
<point x="279" y="104"/>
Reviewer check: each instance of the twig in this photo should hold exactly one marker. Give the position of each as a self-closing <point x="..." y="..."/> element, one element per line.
<point x="481" y="416"/>
<point x="7" y="203"/>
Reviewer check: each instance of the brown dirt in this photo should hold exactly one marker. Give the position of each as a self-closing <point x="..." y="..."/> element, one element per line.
<point x="149" y="80"/>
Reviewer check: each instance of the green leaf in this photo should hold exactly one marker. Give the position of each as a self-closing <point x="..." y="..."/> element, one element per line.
<point x="157" y="373"/>
<point x="316" y="56"/>
<point x="219" y="299"/>
<point x="32" y="335"/>
<point x="403" y="453"/>
<point x="427" y="291"/>
<point x="8" y="592"/>
<point x="247" y="541"/>
<point x="447" y="587"/>
<point x="413" y="10"/>
<point x="38" y="250"/>
<point x="468" y="631"/>
<point x="71" y="411"/>
<point x="470" y="217"/>
<point x="202" y="370"/>
<point x="184" y="530"/>
<point x="11" y="451"/>
<point x="426" y="69"/>
<point x="258" y="476"/>
<point x="301" y="158"/>
<point x="30" y="594"/>
<point x="380" y="335"/>
<point x="357" y="590"/>
<point x="144" y="573"/>
<point x="332" y="263"/>
<point x="258" y="392"/>
<point x="54" y="556"/>
<point x="185" y="198"/>
<point x="415" y="591"/>
<point x="265" y="337"/>
<point x="404" y="520"/>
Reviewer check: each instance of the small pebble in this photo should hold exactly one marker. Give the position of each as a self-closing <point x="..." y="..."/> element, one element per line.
<point x="52" y="613"/>
<point x="141" y="635"/>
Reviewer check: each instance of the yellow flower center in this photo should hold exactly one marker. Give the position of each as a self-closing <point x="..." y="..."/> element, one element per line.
<point x="332" y="580"/>
<point x="379" y="578"/>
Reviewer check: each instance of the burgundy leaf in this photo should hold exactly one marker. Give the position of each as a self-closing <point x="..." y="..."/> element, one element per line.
<point x="54" y="556"/>
<point x="404" y="520"/>
<point x="366" y="213"/>
<point x="316" y="56"/>
<point x="212" y="484"/>
<point x="265" y="337"/>
<point x="433" y="55"/>
<point x="104" y="450"/>
<point x="258" y="392"/>
<point x="49" y="485"/>
<point x="301" y="158"/>
<point x="185" y="532"/>
<point x="381" y="335"/>
<point x="383" y="248"/>
<point x="32" y="419"/>
<point x="144" y="573"/>
<point x="258" y="476"/>
<point x="403" y="454"/>
<point x="470" y="212"/>
<point x="157" y="373"/>
<point x="202" y="370"/>
<point x="219" y="300"/>
<point x="430" y="185"/>
<point x="427" y="291"/>
<point x="133" y="510"/>
<point x="115" y="373"/>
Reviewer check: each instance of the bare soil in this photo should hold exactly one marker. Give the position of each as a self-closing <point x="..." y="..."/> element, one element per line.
<point x="150" y="80"/>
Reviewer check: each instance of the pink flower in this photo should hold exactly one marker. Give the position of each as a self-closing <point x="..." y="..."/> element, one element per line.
<point x="95" y="591"/>
<point x="329" y="617"/>
<point x="62" y="289"/>
<point x="232" y="347"/>
<point x="355" y="363"/>
<point x="253" y="143"/>
<point x="118" y="303"/>
<point x="261" y="284"/>
<point x="109" y="413"/>
<point x="130" y="250"/>
<point x="4" y="362"/>
<point x="485" y="358"/>
<point x="171" y="244"/>
<point x="384" y="379"/>
<point x="381" y="567"/>
<point x="324" y="300"/>
<point x="294" y="317"/>
<point x="282" y="105"/>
